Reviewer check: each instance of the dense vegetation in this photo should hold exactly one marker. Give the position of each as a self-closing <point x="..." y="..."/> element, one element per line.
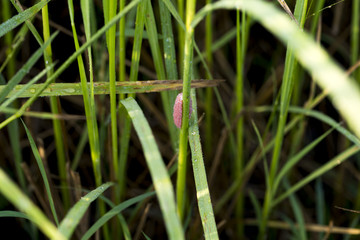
<point x="89" y="148"/>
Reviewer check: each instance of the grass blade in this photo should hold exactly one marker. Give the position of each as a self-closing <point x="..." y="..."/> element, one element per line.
<point x="116" y="210"/>
<point x="296" y="158"/>
<point x="134" y="70"/>
<point x="13" y="193"/>
<point x="21" y="17"/>
<point x="157" y="168"/>
<point x="42" y="171"/>
<point x="24" y="70"/>
<point x="100" y="88"/>
<point x="73" y="217"/>
<point x="323" y="169"/>
<point x="296" y="207"/>
<point x="152" y="33"/>
<point x="25" y="87"/>
<point x="202" y="189"/>
<point x="89" y="110"/>
<point x="320" y="204"/>
<point x="13" y="214"/>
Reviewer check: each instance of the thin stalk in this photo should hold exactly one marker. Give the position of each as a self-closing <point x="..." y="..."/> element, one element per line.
<point x="239" y="163"/>
<point x="314" y="23"/>
<point x="125" y="134"/>
<point x="122" y="41"/>
<point x="355" y="22"/>
<point x="112" y="79"/>
<point x="286" y="91"/>
<point x="135" y="62"/>
<point x="188" y="56"/>
<point x="355" y="56"/>
<point x="170" y="60"/>
<point x="110" y="8"/>
<point x="89" y="109"/>
<point x="166" y="97"/>
<point x="181" y="34"/>
<point x="209" y="91"/>
<point x="13" y="127"/>
<point x="55" y="105"/>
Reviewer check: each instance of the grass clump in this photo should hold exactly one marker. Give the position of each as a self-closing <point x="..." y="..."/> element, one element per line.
<point x="273" y="135"/>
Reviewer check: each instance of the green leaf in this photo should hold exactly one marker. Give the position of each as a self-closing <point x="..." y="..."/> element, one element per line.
<point x="73" y="217"/>
<point x="21" y="17"/>
<point x="159" y="175"/>
<point x="75" y="89"/>
<point x="13" y="214"/>
<point x="318" y="172"/>
<point x="24" y="70"/>
<point x="13" y="193"/>
<point x="202" y="189"/>
<point x="295" y="159"/>
<point x="26" y="86"/>
<point x="42" y="171"/>
<point x="116" y="210"/>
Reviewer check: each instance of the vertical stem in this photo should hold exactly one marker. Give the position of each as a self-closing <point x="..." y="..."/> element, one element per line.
<point x="89" y="99"/>
<point x="170" y="64"/>
<point x="239" y="105"/>
<point x="209" y="91"/>
<point x="13" y="127"/>
<point x="124" y="121"/>
<point x="181" y="35"/>
<point x="188" y="55"/>
<point x="54" y="104"/>
<point x="355" y="36"/>
<point x="112" y="80"/>
<point x="286" y="91"/>
<point x="122" y="41"/>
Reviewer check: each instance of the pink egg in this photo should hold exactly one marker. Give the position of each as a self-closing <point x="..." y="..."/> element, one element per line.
<point x="177" y="114"/>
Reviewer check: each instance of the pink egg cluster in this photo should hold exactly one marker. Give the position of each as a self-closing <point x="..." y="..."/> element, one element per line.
<point x="177" y="114"/>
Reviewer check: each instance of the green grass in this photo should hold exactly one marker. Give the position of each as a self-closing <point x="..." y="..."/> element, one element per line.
<point x="273" y="139"/>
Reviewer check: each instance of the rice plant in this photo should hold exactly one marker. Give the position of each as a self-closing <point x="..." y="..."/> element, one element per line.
<point x="262" y="141"/>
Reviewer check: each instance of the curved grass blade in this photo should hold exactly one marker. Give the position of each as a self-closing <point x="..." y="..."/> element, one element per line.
<point x="116" y="210"/>
<point x="320" y="116"/>
<point x="324" y="118"/>
<point x="295" y="159"/>
<point x="323" y="169"/>
<point x="124" y="226"/>
<point x="26" y="86"/>
<point x="15" y="45"/>
<point x="21" y="17"/>
<point x="24" y="70"/>
<point x="202" y="189"/>
<point x="73" y="217"/>
<point x="161" y="180"/>
<point x="42" y="171"/>
<point x="13" y="214"/>
<point x="13" y="193"/>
